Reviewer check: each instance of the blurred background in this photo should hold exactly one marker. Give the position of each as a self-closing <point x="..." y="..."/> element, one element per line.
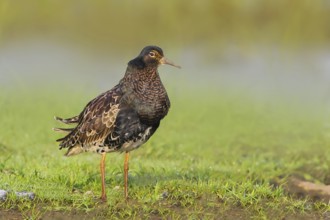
<point x="251" y="102"/>
<point x="267" y="50"/>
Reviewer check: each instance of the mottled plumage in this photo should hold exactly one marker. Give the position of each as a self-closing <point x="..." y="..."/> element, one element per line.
<point x="125" y="117"/>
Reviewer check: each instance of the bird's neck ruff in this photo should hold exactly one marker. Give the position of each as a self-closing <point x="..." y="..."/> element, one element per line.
<point x="134" y="73"/>
<point x="144" y="91"/>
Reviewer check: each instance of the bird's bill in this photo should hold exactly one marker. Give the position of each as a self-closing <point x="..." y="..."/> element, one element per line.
<point x="168" y="62"/>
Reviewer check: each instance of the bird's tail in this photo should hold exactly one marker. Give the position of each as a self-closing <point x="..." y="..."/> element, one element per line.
<point x="72" y="120"/>
<point x="65" y="130"/>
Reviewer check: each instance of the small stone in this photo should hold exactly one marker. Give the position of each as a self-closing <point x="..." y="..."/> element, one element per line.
<point x="164" y="195"/>
<point x="3" y="194"/>
<point x="24" y="194"/>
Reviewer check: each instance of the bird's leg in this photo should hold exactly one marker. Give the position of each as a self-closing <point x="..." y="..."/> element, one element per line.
<point x="126" y="174"/>
<point x="102" y="167"/>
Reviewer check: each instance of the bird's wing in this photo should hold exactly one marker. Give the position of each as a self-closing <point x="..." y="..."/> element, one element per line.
<point x="128" y="130"/>
<point x="95" y="122"/>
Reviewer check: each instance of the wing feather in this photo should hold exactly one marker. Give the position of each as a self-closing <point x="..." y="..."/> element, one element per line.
<point x="96" y="122"/>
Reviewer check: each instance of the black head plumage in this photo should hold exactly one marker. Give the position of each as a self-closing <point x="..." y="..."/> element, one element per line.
<point x="150" y="56"/>
<point x="145" y="51"/>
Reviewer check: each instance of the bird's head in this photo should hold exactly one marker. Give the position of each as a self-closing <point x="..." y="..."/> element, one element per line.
<point x="154" y="56"/>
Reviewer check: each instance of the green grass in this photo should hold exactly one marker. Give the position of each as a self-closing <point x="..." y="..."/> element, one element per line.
<point x="212" y="156"/>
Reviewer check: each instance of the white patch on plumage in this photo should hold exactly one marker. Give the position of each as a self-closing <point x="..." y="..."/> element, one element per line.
<point x="131" y="145"/>
<point x="126" y="147"/>
<point x="74" y="151"/>
<point x="79" y="149"/>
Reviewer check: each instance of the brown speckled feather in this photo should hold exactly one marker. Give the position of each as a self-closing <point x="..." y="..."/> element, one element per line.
<point x="72" y="120"/>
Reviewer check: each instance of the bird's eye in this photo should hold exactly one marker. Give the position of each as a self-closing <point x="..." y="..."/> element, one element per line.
<point x="152" y="54"/>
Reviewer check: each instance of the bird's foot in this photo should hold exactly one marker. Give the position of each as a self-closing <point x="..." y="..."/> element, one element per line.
<point x="103" y="198"/>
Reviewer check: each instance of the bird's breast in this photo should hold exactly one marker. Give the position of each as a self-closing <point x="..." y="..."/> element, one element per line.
<point x="148" y="98"/>
<point x="152" y="109"/>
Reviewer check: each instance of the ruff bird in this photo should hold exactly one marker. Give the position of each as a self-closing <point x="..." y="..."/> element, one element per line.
<point x="123" y="118"/>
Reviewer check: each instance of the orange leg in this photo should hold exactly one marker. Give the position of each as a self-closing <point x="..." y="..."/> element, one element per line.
<point x="102" y="167"/>
<point x="126" y="174"/>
